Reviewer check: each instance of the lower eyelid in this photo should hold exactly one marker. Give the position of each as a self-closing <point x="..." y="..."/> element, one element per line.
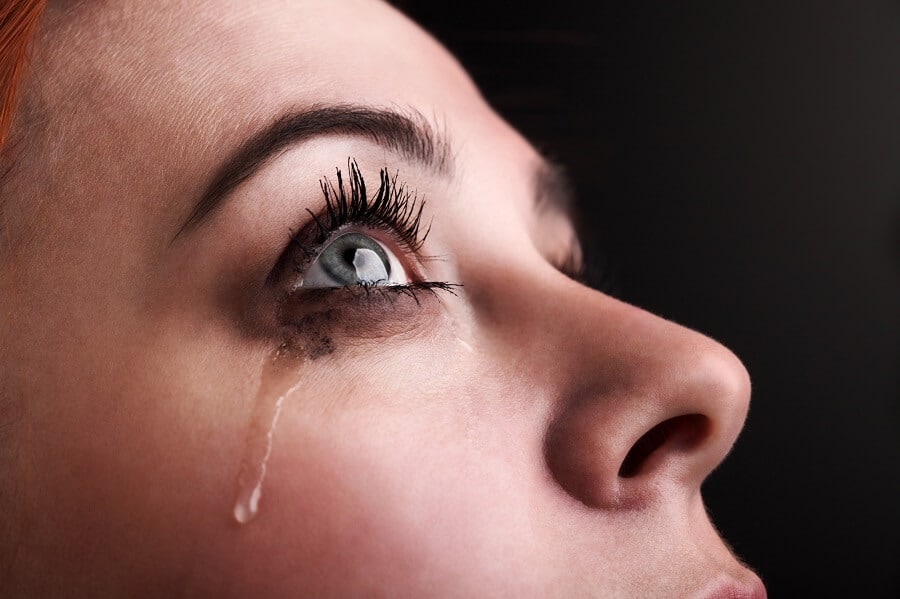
<point x="314" y="321"/>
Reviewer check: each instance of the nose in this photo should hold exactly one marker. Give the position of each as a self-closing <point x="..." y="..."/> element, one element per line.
<point x="642" y="407"/>
<point x="648" y="406"/>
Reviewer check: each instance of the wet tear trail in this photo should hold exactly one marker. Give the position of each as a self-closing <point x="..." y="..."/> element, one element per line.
<point x="279" y="379"/>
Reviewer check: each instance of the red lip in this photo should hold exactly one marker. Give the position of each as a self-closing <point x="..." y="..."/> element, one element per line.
<point x="752" y="588"/>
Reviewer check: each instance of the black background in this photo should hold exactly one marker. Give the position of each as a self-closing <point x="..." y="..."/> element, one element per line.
<point x="739" y="164"/>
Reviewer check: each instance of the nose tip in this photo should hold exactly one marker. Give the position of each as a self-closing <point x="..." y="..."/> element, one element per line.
<point x="670" y="420"/>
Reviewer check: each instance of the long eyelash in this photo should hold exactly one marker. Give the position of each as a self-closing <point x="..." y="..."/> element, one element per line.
<point x="393" y="206"/>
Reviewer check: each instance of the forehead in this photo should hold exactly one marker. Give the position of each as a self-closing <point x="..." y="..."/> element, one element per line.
<point x="171" y="85"/>
<point x="215" y="51"/>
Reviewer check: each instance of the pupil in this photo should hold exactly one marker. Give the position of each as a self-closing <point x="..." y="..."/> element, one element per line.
<point x="349" y="255"/>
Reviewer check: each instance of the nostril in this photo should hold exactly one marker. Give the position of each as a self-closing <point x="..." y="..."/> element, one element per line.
<point x="678" y="434"/>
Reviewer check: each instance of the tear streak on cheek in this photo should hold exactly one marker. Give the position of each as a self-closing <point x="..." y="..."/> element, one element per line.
<point x="312" y="330"/>
<point x="277" y="382"/>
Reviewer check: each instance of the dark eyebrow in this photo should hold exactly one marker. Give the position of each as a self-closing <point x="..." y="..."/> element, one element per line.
<point x="409" y="134"/>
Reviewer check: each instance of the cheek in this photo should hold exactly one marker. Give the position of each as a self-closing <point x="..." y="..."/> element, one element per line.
<point x="406" y="489"/>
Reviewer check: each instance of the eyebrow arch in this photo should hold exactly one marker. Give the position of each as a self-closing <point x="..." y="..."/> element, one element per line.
<point x="407" y="133"/>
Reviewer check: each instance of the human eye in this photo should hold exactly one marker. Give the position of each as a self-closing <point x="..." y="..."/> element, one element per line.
<point x="354" y="259"/>
<point x="343" y="248"/>
<point x="358" y="258"/>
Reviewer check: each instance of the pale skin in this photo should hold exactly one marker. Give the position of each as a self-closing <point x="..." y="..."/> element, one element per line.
<point x="470" y="445"/>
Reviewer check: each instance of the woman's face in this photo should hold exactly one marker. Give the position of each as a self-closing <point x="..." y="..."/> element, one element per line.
<point x="196" y="334"/>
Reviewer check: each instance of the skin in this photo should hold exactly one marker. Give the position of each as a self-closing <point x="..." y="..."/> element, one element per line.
<point x="470" y="445"/>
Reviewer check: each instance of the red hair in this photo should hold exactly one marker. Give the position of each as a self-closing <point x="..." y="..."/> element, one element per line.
<point x="18" y="19"/>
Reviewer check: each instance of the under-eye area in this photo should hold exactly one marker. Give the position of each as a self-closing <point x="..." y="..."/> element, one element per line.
<point x="317" y="322"/>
